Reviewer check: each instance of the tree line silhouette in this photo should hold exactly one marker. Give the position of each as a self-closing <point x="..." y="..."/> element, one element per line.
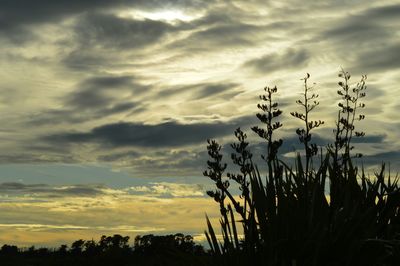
<point x="176" y="249"/>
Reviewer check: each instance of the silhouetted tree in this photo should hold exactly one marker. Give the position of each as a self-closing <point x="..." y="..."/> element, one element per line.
<point x="77" y="247"/>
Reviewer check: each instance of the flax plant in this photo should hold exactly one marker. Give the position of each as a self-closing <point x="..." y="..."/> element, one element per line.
<point x="347" y="115"/>
<point x="270" y="112"/>
<point x="308" y="104"/>
<point x="289" y="219"/>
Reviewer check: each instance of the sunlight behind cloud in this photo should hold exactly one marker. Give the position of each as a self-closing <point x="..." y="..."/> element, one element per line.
<point x="162" y="15"/>
<point x="106" y="108"/>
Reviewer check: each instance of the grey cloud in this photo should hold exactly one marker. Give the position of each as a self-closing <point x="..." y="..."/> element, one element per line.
<point x="97" y="32"/>
<point x="48" y="191"/>
<point x="119" y="108"/>
<point x="287" y="59"/>
<point x="80" y="190"/>
<point x="228" y="34"/>
<point x="370" y="139"/>
<point x="220" y="32"/>
<point x="292" y="143"/>
<point x="367" y="39"/>
<point x="212" y="18"/>
<point x="164" y="189"/>
<point x="84" y="60"/>
<point x="388" y="12"/>
<point x="89" y="98"/>
<point x="115" y="32"/>
<point x="35" y="157"/>
<point x="202" y="90"/>
<point x="86" y="113"/>
<point x="94" y="98"/>
<point x="169" y="134"/>
<point x="17" y="16"/>
<point x="212" y="90"/>
<point x="354" y="29"/>
<point x="390" y="159"/>
<point x="20" y="12"/>
<point x="112" y="157"/>
<point x="108" y="82"/>
<point x="167" y="163"/>
<point x="14" y="186"/>
<point x="370" y="25"/>
<point x="375" y="92"/>
<point x="381" y="58"/>
<point x="195" y="162"/>
<point x="100" y="91"/>
<point x="16" y="36"/>
<point x="100" y="40"/>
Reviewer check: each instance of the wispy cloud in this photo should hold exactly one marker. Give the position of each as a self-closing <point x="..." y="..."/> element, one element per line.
<point x="138" y="86"/>
<point x="68" y="227"/>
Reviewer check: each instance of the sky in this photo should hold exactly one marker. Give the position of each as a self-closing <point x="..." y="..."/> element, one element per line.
<point x="106" y="106"/>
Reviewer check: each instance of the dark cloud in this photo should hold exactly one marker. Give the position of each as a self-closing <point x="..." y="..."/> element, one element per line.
<point x="48" y="191"/>
<point x="19" y="12"/>
<point x="390" y="159"/>
<point x="380" y="58"/>
<point x="357" y="30"/>
<point x="387" y="13"/>
<point x="369" y="139"/>
<point x="84" y="60"/>
<point x="94" y="98"/>
<point x="16" y="17"/>
<point x="369" y="25"/>
<point x="182" y="163"/>
<point x="292" y="143"/>
<point x="202" y="90"/>
<point x="107" y="82"/>
<point x="367" y="39"/>
<point x="212" y="18"/>
<point x="214" y="89"/>
<point x="97" y="32"/>
<point x="100" y="91"/>
<point x="194" y="162"/>
<point x="118" y="156"/>
<point x="100" y="40"/>
<point x="35" y="157"/>
<point x="219" y="37"/>
<point x="215" y="30"/>
<point x="237" y="34"/>
<point x="86" y="113"/>
<point x="374" y="92"/>
<point x="15" y="186"/>
<point x="111" y="31"/>
<point x="287" y="59"/>
<point x="170" y="134"/>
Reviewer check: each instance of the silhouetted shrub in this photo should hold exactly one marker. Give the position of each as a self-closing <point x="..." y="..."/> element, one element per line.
<point x="330" y="214"/>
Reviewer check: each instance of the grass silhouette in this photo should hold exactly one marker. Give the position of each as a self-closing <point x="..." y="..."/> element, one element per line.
<point x="330" y="214"/>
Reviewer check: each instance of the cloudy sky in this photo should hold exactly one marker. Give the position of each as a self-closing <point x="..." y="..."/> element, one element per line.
<point x="106" y="105"/>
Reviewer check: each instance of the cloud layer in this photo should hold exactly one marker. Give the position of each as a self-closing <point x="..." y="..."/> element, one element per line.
<point x="138" y="86"/>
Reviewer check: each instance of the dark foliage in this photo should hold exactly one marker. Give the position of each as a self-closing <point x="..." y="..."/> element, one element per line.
<point x="113" y="250"/>
<point x="331" y="214"/>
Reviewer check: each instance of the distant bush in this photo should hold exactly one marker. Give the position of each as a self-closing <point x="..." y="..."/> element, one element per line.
<point x="329" y="214"/>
